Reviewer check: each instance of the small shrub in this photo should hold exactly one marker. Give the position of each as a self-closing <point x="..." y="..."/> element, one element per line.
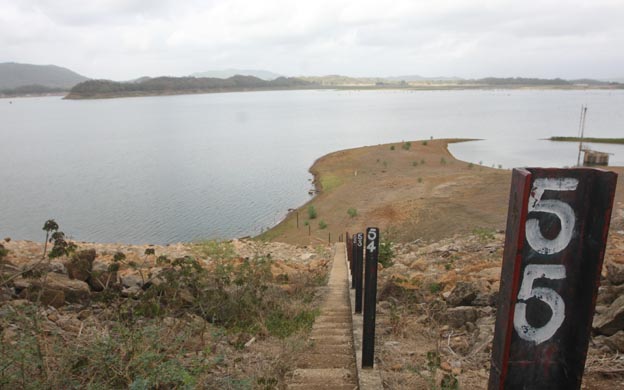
<point x="392" y="147"/>
<point x="386" y="252"/>
<point x="311" y="212"/>
<point x="322" y="224"/>
<point x="470" y="165"/>
<point x="442" y="161"/>
<point x="500" y="166"/>
<point x="414" y="163"/>
<point x="352" y="212"/>
<point x="3" y="251"/>
<point x="425" y="142"/>
<point x="420" y="179"/>
<point x="406" y="145"/>
<point x="422" y="161"/>
<point x="306" y="223"/>
<point x="435" y="287"/>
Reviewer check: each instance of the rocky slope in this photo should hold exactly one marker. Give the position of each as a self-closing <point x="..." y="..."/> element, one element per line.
<point x="437" y="306"/>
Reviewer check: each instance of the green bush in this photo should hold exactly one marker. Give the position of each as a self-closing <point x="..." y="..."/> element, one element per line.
<point x="406" y="145"/>
<point x="322" y="224"/>
<point x="425" y="142"/>
<point x="386" y="252"/>
<point x="352" y="212"/>
<point x="435" y="287"/>
<point x="392" y="147"/>
<point x="311" y="212"/>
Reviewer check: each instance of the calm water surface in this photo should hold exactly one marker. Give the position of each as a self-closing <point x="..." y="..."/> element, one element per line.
<point x="182" y="168"/>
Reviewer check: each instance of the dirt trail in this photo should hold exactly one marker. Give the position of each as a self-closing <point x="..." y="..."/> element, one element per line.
<point x="330" y="362"/>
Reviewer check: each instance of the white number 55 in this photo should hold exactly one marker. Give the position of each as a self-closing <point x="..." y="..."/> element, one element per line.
<point x="546" y="295"/>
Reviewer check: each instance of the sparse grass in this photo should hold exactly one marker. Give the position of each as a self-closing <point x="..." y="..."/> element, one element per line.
<point x="214" y="249"/>
<point x="329" y="182"/>
<point x="352" y="212"/>
<point x="484" y="234"/>
<point x="442" y="161"/>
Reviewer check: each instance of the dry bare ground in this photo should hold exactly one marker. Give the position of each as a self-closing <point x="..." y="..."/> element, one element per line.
<point x="437" y="302"/>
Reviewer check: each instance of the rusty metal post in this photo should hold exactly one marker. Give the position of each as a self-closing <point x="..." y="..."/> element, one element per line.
<point x="557" y="226"/>
<point x="370" y="297"/>
<point x="358" y="258"/>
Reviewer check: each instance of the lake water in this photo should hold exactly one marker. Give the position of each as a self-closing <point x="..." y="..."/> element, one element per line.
<point x="182" y="168"/>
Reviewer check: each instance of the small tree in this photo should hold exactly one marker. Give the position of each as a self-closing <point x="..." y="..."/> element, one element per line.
<point x="61" y="246"/>
<point x="49" y="226"/>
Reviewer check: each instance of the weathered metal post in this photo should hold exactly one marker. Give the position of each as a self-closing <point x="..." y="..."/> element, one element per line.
<point x="370" y="297"/>
<point x="358" y="259"/>
<point x="557" y="227"/>
<point x="353" y="254"/>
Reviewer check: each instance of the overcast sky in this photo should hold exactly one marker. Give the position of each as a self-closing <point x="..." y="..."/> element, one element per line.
<point x="124" y="39"/>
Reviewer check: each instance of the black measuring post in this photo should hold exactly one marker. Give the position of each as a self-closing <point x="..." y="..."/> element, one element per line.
<point x="353" y="254"/>
<point x="557" y="226"/>
<point x="370" y="297"/>
<point x="358" y="258"/>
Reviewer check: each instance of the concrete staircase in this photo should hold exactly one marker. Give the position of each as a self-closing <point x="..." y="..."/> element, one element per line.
<point x="330" y="362"/>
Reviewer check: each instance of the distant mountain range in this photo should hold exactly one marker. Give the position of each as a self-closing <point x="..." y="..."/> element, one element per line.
<point x="27" y="79"/>
<point x="28" y="76"/>
<point x="227" y="73"/>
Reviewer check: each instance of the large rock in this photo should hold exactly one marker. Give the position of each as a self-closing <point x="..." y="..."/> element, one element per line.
<point x="57" y="289"/>
<point x="463" y="294"/>
<point x="102" y="276"/>
<point x="460" y="316"/>
<point x="81" y="264"/>
<point x="612" y="320"/>
<point x="615" y="342"/>
<point x="615" y="272"/>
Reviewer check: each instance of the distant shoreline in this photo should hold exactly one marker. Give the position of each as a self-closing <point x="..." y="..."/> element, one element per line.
<point x="617" y="141"/>
<point x="424" y="87"/>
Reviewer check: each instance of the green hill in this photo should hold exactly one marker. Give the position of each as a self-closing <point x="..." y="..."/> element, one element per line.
<point x="14" y="75"/>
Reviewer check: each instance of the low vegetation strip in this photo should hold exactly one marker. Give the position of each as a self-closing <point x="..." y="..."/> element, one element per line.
<point x="93" y="89"/>
<point x="214" y="315"/>
<point x="585" y="139"/>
